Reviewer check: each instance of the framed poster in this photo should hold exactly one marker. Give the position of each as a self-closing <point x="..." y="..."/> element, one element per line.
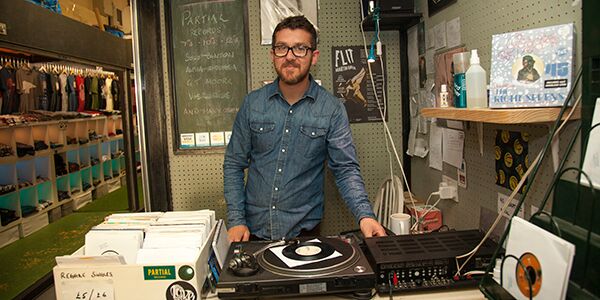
<point x="352" y="83"/>
<point x="433" y="6"/>
<point x="273" y="11"/>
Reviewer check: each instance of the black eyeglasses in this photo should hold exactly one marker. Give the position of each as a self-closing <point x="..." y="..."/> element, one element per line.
<point x="298" y="51"/>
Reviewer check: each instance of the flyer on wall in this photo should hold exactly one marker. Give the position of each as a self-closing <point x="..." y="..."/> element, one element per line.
<point x="352" y="83"/>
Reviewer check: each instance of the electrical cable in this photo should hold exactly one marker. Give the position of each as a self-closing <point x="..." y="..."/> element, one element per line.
<point x="470" y="254"/>
<point x="382" y="111"/>
<point x="419" y="219"/>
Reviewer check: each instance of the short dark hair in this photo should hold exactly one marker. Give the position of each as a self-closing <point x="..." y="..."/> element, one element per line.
<point x="297" y="22"/>
<point x="529" y="58"/>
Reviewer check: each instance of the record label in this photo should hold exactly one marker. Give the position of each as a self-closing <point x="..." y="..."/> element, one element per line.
<point x="534" y="270"/>
<point x="307" y="251"/>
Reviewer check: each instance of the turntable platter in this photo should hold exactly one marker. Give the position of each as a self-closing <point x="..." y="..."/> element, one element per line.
<point x="317" y="251"/>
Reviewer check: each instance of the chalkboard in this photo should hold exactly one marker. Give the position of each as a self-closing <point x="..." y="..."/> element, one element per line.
<point x="208" y="69"/>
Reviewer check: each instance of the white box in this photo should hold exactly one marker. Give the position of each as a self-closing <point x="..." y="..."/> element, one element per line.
<point x="113" y="184"/>
<point x="532" y="68"/>
<point x="81" y="200"/>
<point x="34" y="223"/>
<point x="9" y="235"/>
<point x="132" y="281"/>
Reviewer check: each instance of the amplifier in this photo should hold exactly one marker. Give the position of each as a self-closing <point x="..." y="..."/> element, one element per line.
<point x="426" y="261"/>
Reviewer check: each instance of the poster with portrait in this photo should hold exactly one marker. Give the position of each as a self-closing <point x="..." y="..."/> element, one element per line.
<point x="273" y="11"/>
<point x="352" y="83"/>
<point x="532" y="68"/>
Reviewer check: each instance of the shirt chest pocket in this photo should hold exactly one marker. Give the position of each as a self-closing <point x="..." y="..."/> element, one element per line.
<point x="313" y="139"/>
<point x="262" y="135"/>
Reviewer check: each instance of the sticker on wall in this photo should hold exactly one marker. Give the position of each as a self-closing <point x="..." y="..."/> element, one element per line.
<point x="462" y="175"/>
<point x="512" y="159"/>
<point x="202" y="139"/>
<point x="217" y="139"/>
<point x="186" y="140"/>
<point x="181" y="290"/>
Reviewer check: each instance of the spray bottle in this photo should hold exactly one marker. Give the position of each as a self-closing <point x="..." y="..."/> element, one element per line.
<point x="476" y="83"/>
<point x="444" y="96"/>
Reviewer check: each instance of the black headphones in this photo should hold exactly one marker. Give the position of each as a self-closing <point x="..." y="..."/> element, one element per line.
<point x="242" y="263"/>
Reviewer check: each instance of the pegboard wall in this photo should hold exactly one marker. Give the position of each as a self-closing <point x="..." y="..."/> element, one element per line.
<point x="197" y="180"/>
<point x="479" y="20"/>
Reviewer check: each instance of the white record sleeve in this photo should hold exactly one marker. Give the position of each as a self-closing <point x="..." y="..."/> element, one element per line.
<point x="554" y="254"/>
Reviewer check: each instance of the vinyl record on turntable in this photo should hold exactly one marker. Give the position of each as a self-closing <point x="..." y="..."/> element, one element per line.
<point x="308" y="251"/>
<point x="308" y="257"/>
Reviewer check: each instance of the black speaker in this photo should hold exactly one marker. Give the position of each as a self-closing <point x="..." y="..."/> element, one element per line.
<point x="388" y="6"/>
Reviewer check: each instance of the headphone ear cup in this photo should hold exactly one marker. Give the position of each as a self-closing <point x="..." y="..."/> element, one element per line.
<point x="243" y="265"/>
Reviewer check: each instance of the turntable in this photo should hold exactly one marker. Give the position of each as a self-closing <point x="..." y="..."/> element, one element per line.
<point x="302" y="266"/>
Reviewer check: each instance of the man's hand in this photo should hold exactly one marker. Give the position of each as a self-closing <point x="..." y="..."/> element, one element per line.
<point x="239" y="233"/>
<point x="370" y="227"/>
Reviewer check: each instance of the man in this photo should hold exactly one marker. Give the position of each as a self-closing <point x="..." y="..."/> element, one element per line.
<point x="283" y="133"/>
<point x="528" y="73"/>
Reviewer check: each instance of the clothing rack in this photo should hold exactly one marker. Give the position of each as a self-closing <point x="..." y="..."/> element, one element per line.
<point x="74" y="69"/>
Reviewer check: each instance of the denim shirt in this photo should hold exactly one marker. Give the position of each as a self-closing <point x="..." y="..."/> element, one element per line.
<point x="284" y="147"/>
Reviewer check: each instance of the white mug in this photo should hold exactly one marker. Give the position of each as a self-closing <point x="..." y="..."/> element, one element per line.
<point x="400" y="223"/>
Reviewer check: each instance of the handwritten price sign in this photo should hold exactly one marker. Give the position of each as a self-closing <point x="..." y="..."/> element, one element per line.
<point x="88" y="291"/>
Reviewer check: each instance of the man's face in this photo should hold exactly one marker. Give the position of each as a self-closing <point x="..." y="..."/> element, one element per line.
<point x="526" y="63"/>
<point x="292" y="69"/>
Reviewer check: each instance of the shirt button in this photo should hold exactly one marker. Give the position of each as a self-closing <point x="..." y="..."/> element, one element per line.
<point x="312" y="133"/>
<point x="279" y="170"/>
<point x="273" y="207"/>
<point x="282" y="150"/>
<point x="287" y="130"/>
<point x="260" y="129"/>
<point x="291" y="111"/>
<point x="277" y="189"/>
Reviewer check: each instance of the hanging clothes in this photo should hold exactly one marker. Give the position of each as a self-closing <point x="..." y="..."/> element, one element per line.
<point x="102" y="97"/>
<point x="27" y="88"/>
<point x="42" y="100"/>
<point x="108" y="94"/>
<point x="51" y="84"/>
<point x="115" y="94"/>
<point x="57" y="92"/>
<point x="64" y="97"/>
<point x="80" y="93"/>
<point x="71" y="89"/>
<point x="8" y="89"/>
<point x="94" y="92"/>
<point x="88" y="92"/>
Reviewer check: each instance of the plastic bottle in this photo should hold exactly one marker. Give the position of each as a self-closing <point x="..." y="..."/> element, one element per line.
<point x="444" y="96"/>
<point x="461" y="64"/>
<point x="476" y="83"/>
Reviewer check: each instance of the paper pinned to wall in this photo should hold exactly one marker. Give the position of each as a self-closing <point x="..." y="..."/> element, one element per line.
<point x="439" y="33"/>
<point x="435" y="147"/>
<point x="453" y="32"/>
<point x="591" y="163"/>
<point x="429" y="39"/>
<point x="453" y="144"/>
<point x="421" y="148"/>
<point x="429" y="62"/>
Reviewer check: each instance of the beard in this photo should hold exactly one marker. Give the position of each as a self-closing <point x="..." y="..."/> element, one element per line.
<point x="288" y="77"/>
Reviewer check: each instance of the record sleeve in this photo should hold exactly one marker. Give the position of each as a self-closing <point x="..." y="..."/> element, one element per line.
<point x="547" y="258"/>
<point x="532" y="68"/>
